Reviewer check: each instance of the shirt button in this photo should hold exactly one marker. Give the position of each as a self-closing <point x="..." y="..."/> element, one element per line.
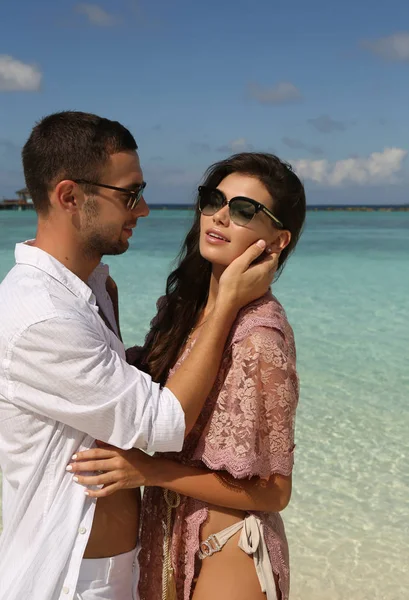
<point x="82" y="530"/>
<point x="66" y="590"/>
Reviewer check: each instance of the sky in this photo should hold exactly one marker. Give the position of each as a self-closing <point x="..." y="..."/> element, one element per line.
<point x="324" y="85"/>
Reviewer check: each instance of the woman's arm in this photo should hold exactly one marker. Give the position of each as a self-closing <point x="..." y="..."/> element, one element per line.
<point x="133" y="468"/>
<point x="222" y="489"/>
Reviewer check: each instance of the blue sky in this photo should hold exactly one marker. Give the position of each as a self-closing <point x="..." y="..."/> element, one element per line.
<point x="324" y="85"/>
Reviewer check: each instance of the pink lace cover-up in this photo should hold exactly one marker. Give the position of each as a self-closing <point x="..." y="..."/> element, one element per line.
<point x="246" y="428"/>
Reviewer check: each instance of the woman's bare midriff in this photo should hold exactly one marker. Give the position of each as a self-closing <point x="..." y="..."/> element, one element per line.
<point x="219" y="518"/>
<point x="115" y="528"/>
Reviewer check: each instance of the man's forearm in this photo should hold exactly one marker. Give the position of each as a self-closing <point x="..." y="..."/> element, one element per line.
<point x="193" y="381"/>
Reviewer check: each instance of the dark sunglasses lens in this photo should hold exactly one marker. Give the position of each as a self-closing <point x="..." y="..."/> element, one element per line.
<point x="135" y="198"/>
<point x="210" y="201"/>
<point x="241" y="211"/>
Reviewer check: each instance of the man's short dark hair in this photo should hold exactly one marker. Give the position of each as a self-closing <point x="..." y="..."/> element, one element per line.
<point x="70" y="145"/>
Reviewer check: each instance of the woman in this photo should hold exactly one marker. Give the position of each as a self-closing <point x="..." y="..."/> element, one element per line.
<point x="210" y="524"/>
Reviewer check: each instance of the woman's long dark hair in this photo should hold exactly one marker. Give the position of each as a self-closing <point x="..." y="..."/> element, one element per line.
<point x="187" y="286"/>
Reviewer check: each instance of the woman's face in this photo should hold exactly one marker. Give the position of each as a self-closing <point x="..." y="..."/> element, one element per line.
<point x="235" y="238"/>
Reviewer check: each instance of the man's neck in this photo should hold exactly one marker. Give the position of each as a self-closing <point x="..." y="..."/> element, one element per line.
<point x="62" y="249"/>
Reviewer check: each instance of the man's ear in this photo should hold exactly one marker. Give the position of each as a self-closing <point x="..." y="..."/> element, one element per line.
<point x="67" y="196"/>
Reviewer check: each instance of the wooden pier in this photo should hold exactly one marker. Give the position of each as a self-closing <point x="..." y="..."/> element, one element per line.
<point x="22" y="202"/>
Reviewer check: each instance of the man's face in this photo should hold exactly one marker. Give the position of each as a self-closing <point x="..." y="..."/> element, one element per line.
<point x="106" y="222"/>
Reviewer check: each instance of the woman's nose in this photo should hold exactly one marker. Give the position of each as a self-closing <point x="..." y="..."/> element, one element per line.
<point x="222" y="215"/>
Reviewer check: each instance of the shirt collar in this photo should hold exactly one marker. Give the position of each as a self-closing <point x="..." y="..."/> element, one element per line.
<point x="26" y="254"/>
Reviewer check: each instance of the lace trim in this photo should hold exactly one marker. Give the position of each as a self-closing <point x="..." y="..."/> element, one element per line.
<point x="192" y="531"/>
<point x="277" y="546"/>
<point x="264" y="468"/>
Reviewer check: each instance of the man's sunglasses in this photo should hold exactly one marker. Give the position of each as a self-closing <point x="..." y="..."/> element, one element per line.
<point x="241" y="209"/>
<point x="134" y="195"/>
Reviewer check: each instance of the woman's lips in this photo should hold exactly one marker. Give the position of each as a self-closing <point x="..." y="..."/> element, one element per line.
<point x="212" y="237"/>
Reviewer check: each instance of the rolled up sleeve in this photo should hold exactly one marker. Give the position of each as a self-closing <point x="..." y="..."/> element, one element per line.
<point x="63" y="369"/>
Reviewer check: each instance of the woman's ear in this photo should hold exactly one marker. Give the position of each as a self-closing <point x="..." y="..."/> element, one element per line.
<point x="280" y="241"/>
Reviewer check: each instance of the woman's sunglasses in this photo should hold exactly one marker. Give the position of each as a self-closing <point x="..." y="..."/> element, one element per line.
<point x="241" y="209"/>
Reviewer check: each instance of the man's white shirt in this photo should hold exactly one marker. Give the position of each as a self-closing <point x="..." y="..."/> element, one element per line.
<point x="64" y="382"/>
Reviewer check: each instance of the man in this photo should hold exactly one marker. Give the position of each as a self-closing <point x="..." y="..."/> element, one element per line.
<point x="64" y="381"/>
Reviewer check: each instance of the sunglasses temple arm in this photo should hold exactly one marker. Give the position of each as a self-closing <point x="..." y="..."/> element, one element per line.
<point x="270" y="214"/>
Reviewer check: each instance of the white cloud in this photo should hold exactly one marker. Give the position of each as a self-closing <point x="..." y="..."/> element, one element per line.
<point x="393" y="47"/>
<point x="239" y="145"/>
<point x="96" y="15"/>
<point x="378" y="167"/>
<point x="280" y="93"/>
<point x="16" y="76"/>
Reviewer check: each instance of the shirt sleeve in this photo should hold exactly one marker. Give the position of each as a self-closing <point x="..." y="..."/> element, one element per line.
<point x="251" y="430"/>
<point x="63" y="369"/>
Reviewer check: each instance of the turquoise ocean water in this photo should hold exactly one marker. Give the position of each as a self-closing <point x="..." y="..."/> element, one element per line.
<point x="346" y="294"/>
